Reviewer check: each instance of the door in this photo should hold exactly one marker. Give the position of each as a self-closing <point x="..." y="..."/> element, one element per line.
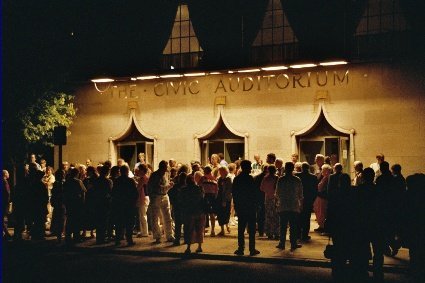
<point x="309" y="148"/>
<point x="234" y="150"/>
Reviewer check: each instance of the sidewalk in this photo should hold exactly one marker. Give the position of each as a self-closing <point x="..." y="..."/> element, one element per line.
<point x="222" y="248"/>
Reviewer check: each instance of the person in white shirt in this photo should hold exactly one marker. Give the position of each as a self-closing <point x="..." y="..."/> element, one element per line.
<point x="376" y="165"/>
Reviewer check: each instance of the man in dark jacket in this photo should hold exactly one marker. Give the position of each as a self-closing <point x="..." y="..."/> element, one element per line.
<point x="124" y="198"/>
<point x="245" y="201"/>
<point x="261" y="210"/>
<point x="73" y="190"/>
<point x="102" y="188"/>
<point x="309" y="182"/>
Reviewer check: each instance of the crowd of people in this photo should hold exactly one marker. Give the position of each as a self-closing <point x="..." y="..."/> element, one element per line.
<point x="378" y="208"/>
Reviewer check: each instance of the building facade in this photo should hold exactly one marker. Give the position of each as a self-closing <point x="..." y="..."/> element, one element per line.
<point x="353" y="111"/>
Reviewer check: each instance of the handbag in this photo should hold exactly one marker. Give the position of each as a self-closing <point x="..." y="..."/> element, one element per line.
<point x="329" y="251"/>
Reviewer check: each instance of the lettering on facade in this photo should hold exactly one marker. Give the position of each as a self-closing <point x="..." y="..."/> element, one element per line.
<point x="242" y="84"/>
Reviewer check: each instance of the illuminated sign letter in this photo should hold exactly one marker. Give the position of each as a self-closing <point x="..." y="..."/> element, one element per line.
<point x="195" y="85"/>
<point x="220" y="85"/>
<point x="336" y="77"/>
<point x="297" y="78"/>
<point x="250" y="85"/>
<point x="230" y="84"/>
<point x="318" y="79"/>
<point x="159" y="89"/>
<point x="282" y="81"/>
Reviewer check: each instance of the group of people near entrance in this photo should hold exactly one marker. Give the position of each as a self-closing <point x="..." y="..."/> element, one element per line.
<point x="376" y="208"/>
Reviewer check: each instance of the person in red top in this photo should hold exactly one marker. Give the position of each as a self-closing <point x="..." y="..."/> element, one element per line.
<point x="209" y="184"/>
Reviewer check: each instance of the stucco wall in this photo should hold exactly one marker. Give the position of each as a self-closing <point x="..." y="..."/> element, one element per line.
<point x="383" y="103"/>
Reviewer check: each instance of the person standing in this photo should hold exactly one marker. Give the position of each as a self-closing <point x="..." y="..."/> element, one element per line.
<point x="289" y="194"/>
<point x="158" y="186"/>
<point x="102" y="194"/>
<point x="321" y="202"/>
<point x="261" y="210"/>
<point x="209" y="184"/>
<point x="245" y="200"/>
<point x="124" y="198"/>
<point x="268" y="187"/>
<point x="40" y="198"/>
<point x="6" y="202"/>
<point x="224" y="199"/>
<point x="143" y="200"/>
<point x="309" y="182"/>
<point x="74" y="191"/>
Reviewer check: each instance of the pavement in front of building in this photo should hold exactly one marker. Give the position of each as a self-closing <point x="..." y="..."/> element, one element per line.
<point x="222" y="248"/>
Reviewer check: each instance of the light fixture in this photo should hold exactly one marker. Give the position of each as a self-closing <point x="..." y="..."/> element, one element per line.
<point x="249" y="70"/>
<point x="107" y="81"/>
<point x="299" y="66"/>
<point x="172" y="67"/>
<point x="215" y="73"/>
<point x="333" y="63"/>
<point x="147" y="77"/>
<point x="230" y="72"/>
<point x="171" y="76"/>
<point x="194" y="74"/>
<point x="134" y="79"/>
<point x="274" y="68"/>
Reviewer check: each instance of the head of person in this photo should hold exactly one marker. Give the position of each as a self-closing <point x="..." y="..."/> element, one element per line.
<point x="344" y="183"/>
<point x="380" y="158"/>
<point x="43" y="163"/>
<point x="265" y="168"/>
<point x="415" y="184"/>
<point x="396" y="169"/>
<point x="115" y="172"/>
<point x="358" y="166"/>
<point x="65" y="166"/>
<point x="294" y="157"/>
<point x="368" y="175"/>
<point x="88" y="162"/>
<point x="104" y="171"/>
<point x="338" y="168"/>
<point x="221" y="156"/>
<point x="278" y="163"/>
<point x="191" y="179"/>
<point x="207" y="170"/>
<point x="184" y="168"/>
<point x="328" y="160"/>
<point x="49" y="170"/>
<point x="59" y="175"/>
<point x="172" y="163"/>
<point x="141" y="157"/>
<point x="334" y="159"/>
<point x="91" y="171"/>
<point x="326" y="170"/>
<point x="142" y="169"/>
<point x="271" y="169"/>
<point x="173" y="172"/>
<point x="246" y="166"/>
<point x="108" y="163"/>
<point x="223" y="171"/>
<point x="257" y="158"/>
<point x="384" y="166"/>
<point x="319" y="160"/>
<point x="196" y="177"/>
<point x="305" y="167"/>
<point x="124" y="170"/>
<point x="5" y="174"/>
<point x="120" y="162"/>
<point x="181" y="179"/>
<point x="33" y="158"/>
<point x="298" y="166"/>
<point x="196" y="166"/>
<point x="289" y="168"/>
<point x="215" y="159"/>
<point x="74" y="173"/>
<point x="163" y="166"/>
<point x="232" y="168"/>
<point x="271" y="158"/>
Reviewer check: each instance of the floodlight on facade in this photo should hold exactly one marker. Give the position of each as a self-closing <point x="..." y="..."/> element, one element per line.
<point x="274" y="68"/>
<point x="106" y="81"/>
<point x="299" y="66"/>
<point x="333" y="63"/>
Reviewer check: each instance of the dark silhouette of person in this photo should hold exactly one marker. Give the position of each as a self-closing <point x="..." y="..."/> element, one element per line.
<point x="414" y="225"/>
<point x="74" y="191"/>
<point x="362" y="222"/>
<point x="124" y="198"/>
<point x="39" y="200"/>
<point x="175" y="194"/>
<point x="333" y="182"/>
<point x="338" y="225"/>
<point x="245" y="202"/>
<point x="20" y="202"/>
<point x="57" y="202"/>
<point x="399" y="183"/>
<point x="102" y="190"/>
<point x="384" y="226"/>
<point x="261" y="210"/>
<point x="310" y="183"/>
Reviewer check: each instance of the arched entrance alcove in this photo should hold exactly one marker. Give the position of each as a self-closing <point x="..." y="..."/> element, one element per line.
<point x="221" y="138"/>
<point x="132" y="141"/>
<point x="324" y="137"/>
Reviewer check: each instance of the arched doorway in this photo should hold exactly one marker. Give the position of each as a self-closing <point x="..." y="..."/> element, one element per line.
<point x="131" y="142"/>
<point x="221" y="138"/>
<point x="324" y="137"/>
